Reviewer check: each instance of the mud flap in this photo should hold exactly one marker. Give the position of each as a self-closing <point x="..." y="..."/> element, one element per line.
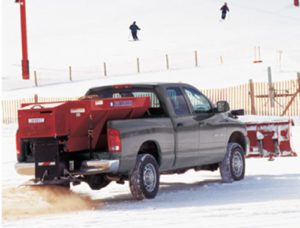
<point x="47" y="163"/>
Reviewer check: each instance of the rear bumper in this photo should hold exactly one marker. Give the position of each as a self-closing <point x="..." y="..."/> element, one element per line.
<point x="88" y="167"/>
<point x="26" y="169"/>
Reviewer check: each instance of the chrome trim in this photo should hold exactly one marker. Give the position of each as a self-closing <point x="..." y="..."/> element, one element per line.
<point x="100" y="166"/>
<point x="87" y="167"/>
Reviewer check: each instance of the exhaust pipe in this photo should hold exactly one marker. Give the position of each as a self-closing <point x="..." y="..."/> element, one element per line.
<point x="99" y="166"/>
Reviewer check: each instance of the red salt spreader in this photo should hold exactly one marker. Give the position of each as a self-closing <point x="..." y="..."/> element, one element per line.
<point x="51" y="134"/>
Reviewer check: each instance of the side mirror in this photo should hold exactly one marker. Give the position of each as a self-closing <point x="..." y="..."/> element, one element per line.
<point x="222" y="106"/>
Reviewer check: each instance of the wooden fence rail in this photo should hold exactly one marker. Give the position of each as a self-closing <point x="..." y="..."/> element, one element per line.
<point x="253" y="98"/>
<point x="239" y="97"/>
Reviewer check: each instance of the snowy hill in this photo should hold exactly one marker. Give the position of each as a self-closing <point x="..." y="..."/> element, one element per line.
<point x="84" y="35"/>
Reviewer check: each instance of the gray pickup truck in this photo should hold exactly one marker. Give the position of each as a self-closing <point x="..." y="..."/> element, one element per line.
<point x="181" y="130"/>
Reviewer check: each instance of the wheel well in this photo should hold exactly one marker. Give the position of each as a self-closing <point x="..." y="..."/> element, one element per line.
<point x="151" y="147"/>
<point x="238" y="137"/>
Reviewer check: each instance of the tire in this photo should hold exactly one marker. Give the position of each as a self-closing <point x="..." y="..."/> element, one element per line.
<point x="232" y="168"/>
<point x="144" y="180"/>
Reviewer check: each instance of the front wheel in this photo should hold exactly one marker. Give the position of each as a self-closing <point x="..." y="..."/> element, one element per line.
<point x="232" y="168"/>
<point x="144" y="180"/>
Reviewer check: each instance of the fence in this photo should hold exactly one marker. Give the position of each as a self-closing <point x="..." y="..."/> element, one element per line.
<point x="255" y="100"/>
<point x="153" y="62"/>
<point x="125" y="66"/>
<point x="10" y="107"/>
<point x="285" y="99"/>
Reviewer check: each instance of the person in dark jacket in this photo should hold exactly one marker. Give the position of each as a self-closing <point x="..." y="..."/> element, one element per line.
<point x="134" y="28"/>
<point x="224" y="10"/>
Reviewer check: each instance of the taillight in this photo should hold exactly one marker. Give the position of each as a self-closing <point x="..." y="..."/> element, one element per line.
<point x="18" y="144"/>
<point x="114" y="140"/>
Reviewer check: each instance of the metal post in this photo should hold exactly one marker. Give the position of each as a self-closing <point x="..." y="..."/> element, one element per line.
<point x="104" y="69"/>
<point x="138" y="65"/>
<point x="271" y="89"/>
<point x="70" y="73"/>
<point x="196" y="58"/>
<point x="35" y="79"/>
<point x="25" y="61"/>
<point x="167" y="62"/>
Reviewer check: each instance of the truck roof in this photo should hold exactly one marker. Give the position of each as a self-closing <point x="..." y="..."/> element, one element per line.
<point x="134" y="85"/>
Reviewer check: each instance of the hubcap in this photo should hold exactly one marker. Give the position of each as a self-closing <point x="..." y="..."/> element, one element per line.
<point x="237" y="164"/>
<point x="149" y="177"/>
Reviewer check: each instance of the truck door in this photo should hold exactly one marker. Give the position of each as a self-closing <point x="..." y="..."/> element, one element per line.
<point x="186" y="130"/>
<point x="212" y="128"/>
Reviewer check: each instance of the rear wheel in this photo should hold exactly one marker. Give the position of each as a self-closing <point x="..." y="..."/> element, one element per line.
<point x="232" y="168"/>
<point x="144" y="180"/>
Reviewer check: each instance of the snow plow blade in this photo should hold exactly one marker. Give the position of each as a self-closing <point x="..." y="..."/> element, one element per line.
<point x="270" y="138"/>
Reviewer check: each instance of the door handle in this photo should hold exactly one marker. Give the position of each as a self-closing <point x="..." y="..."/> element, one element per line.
<point x="202" y="124"/>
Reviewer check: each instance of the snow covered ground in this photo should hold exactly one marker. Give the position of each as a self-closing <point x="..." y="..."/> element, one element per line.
<point x="84" y="34"/>
<point x="269" y="196"/>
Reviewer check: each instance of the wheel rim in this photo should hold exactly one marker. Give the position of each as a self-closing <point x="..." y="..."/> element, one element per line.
<point x="237" y="164"/>
<point x="149" y="177"/>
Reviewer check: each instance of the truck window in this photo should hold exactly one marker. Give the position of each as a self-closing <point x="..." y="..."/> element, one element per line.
<point x="199" y="102"/>
<point x="155" y="110"/>
<point x="178" y="102"/>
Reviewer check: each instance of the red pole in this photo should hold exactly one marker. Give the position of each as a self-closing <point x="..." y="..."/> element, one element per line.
<point x="296" y="2"/>
<point x="25" y="61"/>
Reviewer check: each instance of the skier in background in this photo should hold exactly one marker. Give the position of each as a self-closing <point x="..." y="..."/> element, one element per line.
<point x="224" y="10"/>
<point x="134" y="28"/>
